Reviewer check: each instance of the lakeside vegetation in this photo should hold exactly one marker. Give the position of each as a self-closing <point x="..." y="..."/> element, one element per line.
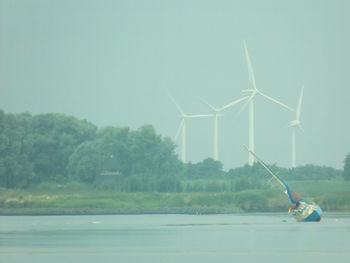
<point x="82" y="199"/>
<point x="57" y="164"/>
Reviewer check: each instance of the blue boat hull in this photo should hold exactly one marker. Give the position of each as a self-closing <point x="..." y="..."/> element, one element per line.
<point x="310" y="213"/>
<point x="315" y="216"/>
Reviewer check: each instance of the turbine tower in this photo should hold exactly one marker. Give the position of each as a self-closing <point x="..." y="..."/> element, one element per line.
<point x="182" y="128"/>
<point x="216" y="123"/>
<point x="251" y="93"/>
<point x="294" y="125"/>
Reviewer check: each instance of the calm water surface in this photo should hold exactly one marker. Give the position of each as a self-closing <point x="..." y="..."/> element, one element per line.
<point x="174" y="238"/>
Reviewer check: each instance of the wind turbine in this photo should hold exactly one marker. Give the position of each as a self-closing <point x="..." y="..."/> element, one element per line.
<point x="182" y="127"/>
<point x="251" y="93"/>
<point x="295" y="124"/>
<point x="216" y="122"/>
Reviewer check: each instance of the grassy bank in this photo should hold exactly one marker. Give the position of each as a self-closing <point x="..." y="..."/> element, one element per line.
<point x="330" y="195"/>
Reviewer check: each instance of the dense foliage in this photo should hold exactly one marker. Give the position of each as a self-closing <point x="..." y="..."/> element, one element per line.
<point x="120" y="159"/>
<point x="346" y="172"/>
<point x="81" y="198"/>
<point x="306" y="172"/>
<point x="208" y="168"/>
<point x="59" y="148"/>
<point x="63" y="150"/>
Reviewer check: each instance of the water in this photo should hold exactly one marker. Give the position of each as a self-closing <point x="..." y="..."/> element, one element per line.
<point x="173" y="238"/>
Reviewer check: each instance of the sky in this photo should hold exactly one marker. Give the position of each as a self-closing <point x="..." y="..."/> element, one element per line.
<point x="113" y="63"/>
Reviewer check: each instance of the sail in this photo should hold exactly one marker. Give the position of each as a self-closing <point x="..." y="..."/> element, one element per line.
<point x="293" y="196"/>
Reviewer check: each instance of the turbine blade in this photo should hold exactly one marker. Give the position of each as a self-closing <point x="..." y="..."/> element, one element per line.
<point x="299" y="103"/>
<point x="245" y="105"/>
<point x="209" y="105"/>
<point x="179" y="129"/>
<point x="177" y="105"/>
<point x="250" y="67"/>
<point x="199" y="115"/>
<point x="276" y="101"/>
<point x="301" y="128"/>
<point x="293" y="123"/>
<point x="233" y="103"/>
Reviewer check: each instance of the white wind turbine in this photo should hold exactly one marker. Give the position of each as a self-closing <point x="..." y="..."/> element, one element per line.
<point x="216" y="123"/>
<point x="251" y="93"/>
<point x="182" y="127"/>
<point x="295" y="124"/>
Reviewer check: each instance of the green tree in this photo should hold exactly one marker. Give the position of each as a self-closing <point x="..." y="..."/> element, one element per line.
<point x="155" y="161"/>
<point x="52" y="139"/>
<point x="15" y="169"/>
<point x="146" y="160"/>
<point x="84" y="162"/>
<point x="306" y="172"/>
<point x="152" y="154"/>
<point x="346" y="172"/>
<point x="208" y="168"/>
<point x="88" y="160"/>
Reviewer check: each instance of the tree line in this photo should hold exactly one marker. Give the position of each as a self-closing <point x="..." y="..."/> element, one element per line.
<point x="59" y="148"/>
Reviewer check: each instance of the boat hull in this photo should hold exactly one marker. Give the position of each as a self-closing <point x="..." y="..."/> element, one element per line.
<point x="310" y="213"/>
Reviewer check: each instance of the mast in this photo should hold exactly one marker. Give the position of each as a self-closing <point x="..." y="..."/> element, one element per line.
<point x="294" y="198"/>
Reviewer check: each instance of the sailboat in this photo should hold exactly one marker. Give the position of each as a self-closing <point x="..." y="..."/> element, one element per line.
<point x="302" y="210"/>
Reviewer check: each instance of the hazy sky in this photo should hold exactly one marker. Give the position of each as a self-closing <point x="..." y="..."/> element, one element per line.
<point x="110" y="62"/>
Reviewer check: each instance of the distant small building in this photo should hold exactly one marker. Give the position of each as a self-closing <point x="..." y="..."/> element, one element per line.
<point x="114" y="173"/>
<point x="110" y="170"/>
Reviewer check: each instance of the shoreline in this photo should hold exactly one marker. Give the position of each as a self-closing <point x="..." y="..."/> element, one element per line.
<point x="130" y="211"/>
<point x="25" y="202"/>
<point x="178" y="211"/>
